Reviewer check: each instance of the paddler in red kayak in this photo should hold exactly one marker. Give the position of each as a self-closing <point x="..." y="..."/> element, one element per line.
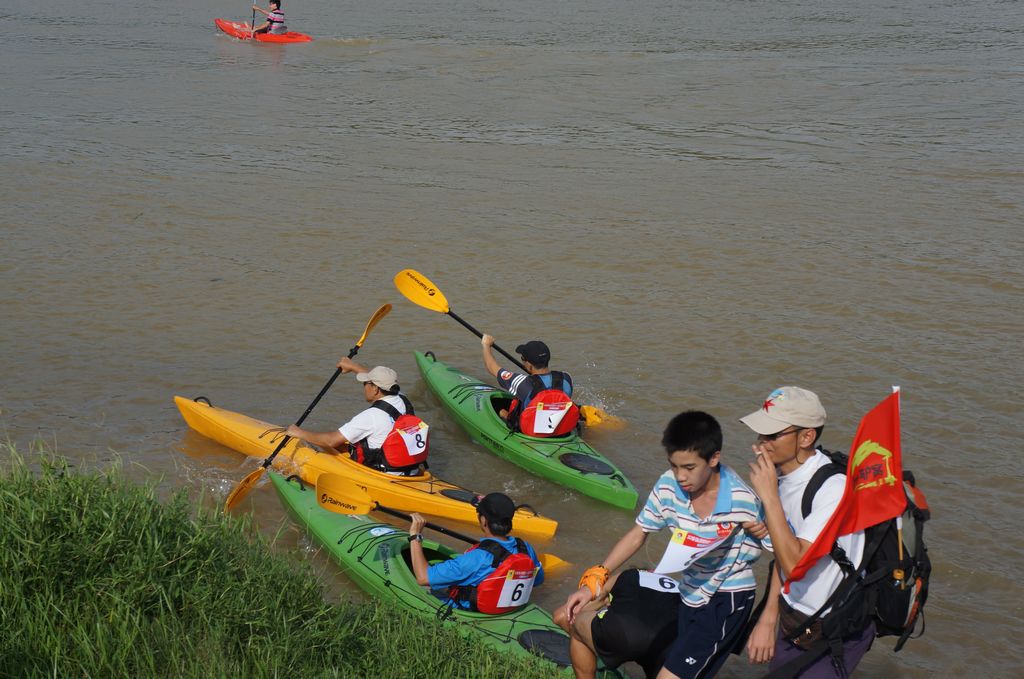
<point x="387" y="436"/>
<point x="275" y="19"/>
<point x="543" y="397"/>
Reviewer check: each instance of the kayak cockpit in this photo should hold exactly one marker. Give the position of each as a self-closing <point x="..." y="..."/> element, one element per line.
<point x="434" y="556"/>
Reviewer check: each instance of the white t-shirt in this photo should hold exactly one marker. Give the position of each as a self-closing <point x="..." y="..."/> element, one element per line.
<point x="811" y="592"/>
<point x="373" y="424"/>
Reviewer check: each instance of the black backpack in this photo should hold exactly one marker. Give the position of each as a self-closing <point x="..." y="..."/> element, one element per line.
<point x="891" y="586"/>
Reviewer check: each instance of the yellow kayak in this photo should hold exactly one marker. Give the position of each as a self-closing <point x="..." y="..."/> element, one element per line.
<point x="425" y="493"/>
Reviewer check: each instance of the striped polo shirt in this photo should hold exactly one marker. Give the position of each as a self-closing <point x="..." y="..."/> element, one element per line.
<point x="727" y="567"/>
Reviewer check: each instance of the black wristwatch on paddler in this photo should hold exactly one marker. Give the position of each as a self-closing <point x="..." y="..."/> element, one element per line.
<point x="418" y="537"/>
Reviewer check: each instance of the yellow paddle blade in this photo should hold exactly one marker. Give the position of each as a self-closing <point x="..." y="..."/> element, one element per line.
<point x="598" y="417"/>
<point x="374" y="320"/>
<point x="243" y="488"/>
<point x="339" y="495"/>
<point x="418" y="289"/>
<point x="552" y="563"/>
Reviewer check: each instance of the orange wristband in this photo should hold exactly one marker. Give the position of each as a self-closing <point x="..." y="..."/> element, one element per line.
<point x="594" y="579"/>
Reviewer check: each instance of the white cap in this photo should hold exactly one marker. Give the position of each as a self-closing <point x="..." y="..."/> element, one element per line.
<point x="385" y="378"/>
<point x="786" y="407"/>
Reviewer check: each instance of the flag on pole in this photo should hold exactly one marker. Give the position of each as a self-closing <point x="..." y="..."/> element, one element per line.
<point x="874" y="483"/>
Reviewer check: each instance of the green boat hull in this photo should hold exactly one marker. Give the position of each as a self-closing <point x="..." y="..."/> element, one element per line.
<point x="375" y="556"/>
<point x="567" y="460"/>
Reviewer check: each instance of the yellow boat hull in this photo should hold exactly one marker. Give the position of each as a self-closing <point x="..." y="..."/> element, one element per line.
<point x="426" y="493"/>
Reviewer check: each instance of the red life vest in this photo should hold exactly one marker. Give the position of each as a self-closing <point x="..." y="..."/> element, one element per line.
<point x="406" y="445"/>
<point x="550" y="411"/>
<point x="508" y="587"/>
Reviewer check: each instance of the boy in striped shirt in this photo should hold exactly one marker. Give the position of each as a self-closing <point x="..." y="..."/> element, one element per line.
<point x="702" y="502"/>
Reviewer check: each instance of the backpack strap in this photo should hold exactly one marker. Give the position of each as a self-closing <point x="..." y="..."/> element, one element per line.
<point x="497" y="550"/>
<point x="536" y="385"/>
<point x="823" y="474"/>
<point x="392" y="411"/>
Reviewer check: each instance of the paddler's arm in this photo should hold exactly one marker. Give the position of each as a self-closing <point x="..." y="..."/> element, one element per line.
<point x="260" y="9"/>
<point x="347" y="365"/>
<point x="333" y="441"/>
<point x="492" y="365"/>
<point x="628" y="545"/>
<point x="419" y="559"/>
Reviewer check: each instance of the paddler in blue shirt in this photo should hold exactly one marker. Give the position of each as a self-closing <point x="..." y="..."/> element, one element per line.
<point x="495" y="576"/>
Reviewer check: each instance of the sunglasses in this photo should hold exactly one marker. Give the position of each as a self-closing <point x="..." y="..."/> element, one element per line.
<point x="779" y="434"/>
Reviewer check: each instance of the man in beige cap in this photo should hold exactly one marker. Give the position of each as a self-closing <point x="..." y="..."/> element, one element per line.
<point x="363" y="436"/>
<point x="788" y="425"/>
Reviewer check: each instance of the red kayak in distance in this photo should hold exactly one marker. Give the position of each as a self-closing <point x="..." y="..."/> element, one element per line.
<point x="244" y="32"/>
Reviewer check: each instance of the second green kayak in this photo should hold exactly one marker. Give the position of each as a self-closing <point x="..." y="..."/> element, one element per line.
<point x="566" y="460"/>
<point x="376" y="556"/>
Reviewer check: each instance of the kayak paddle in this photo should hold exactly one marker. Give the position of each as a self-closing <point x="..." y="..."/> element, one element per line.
<point x="419" y="289"/>
<point x="342" y="495"/>
<point x="250" y="481"/>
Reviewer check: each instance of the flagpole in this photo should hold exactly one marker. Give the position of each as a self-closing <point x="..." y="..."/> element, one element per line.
<point x="898" y="572"/>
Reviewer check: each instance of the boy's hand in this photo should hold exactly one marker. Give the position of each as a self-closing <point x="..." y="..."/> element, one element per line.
<point x="576" y="601"/>
<point x="756" y="529"/>
<point x="487" y="340"/>
<point x="416" y="524"/>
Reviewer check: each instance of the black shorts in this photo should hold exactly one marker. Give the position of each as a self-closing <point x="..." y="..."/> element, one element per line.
<point x="638" y="625"/>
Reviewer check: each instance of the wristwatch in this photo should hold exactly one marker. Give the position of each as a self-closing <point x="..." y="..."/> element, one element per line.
<point x="418" y="537"/>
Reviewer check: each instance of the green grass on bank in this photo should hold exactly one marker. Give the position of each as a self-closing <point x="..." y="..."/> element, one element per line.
<point x="100" y="579"/>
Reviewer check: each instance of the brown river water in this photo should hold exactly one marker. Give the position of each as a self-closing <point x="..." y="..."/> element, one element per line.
<point x="691" y="202"/>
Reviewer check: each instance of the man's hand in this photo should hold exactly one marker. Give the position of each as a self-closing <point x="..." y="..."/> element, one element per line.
<point x="416" y="524"/>
<point x="763" y="477"/>
<point x="761" y="644"/>
<point x="487" y="341"/>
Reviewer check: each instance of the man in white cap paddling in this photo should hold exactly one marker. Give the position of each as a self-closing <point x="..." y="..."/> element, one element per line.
<point x="386" y="436"/>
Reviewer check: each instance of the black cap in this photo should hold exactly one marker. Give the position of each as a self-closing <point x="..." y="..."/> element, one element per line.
<point x="535" y="352"/>
<point x="496" y="507"/>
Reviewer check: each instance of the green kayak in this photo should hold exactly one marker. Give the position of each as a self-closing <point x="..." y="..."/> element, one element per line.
<point x="566" y="460"/>
<point x="376" y="556"/>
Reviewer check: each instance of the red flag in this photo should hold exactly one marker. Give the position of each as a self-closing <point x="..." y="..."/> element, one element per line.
<point x="874" y="483"/>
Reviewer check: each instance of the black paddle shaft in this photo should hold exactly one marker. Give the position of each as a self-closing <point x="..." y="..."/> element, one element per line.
<point x="431" y="526"/>
<point x="280" y="446"/>
<point x="480" y="334"/>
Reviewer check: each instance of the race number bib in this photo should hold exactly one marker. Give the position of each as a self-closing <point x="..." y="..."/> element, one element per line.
<point x="415" y="438"/>
<point x="549" y="416"/>
<point x="516" y="589"/>
<point x="659" y="583"/>
<point x="685" y="548"/>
